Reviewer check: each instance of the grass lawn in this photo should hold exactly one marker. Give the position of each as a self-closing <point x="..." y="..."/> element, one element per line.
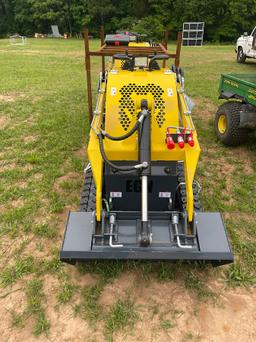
<point x="43" y="137"/>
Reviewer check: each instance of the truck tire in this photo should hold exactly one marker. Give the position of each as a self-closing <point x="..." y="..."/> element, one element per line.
<point x="88" y="196"/>
<point x="241" y="57"/>
<point x="227" y="122"/>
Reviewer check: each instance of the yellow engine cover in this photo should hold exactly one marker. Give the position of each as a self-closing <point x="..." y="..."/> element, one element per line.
<point x="120" y="99"/>
<point x="125" y="91"/>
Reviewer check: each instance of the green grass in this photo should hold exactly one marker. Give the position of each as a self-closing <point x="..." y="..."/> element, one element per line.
<point x="195" y="283"/>
<point x="21" y="267"/>
<point x="44" y="126"/>
<point x="89" y="307"/>
<point x="66" y="292"/>
<point x="35" y="308"/>
<point x="166" y="324"/>
<point x="122" y="315"/>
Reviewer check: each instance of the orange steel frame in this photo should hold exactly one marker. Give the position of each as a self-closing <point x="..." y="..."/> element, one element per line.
<point x="160" y="48"/>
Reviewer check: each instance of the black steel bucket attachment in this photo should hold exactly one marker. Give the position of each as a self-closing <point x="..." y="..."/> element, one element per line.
<point x="209" y="245"/>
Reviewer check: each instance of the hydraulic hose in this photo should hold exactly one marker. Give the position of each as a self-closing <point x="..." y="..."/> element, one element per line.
<point x="131" y="132"/>
<point x="125" y="136"/>
<point x="114" y="166"/>
<point x="139" y="122"/>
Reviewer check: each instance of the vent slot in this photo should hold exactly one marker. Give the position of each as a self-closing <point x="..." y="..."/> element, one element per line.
<point x="127" y="105"/>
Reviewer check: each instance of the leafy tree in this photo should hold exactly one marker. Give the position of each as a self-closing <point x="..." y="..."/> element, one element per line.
<point x="225" y="19"/>
<point x="6" y="16"/>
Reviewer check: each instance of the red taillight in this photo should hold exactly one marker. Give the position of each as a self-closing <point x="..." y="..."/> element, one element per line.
<point x="117" y="43"/>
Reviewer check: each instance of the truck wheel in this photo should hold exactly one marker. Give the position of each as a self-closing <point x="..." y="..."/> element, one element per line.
<point x="241" y="57"/>
<point x="227" y="122"/>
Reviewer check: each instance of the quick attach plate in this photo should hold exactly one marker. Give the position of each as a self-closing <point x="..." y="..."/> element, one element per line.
<point x="213" y="245"/>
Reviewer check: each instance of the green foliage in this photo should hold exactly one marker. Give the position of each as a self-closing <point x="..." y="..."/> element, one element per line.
<point x="225" y="19"/>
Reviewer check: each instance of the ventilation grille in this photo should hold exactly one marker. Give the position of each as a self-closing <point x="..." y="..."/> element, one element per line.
<point x="127" y="104"/>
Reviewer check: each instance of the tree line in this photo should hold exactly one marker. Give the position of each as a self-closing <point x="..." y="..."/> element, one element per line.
<point x="224" y="20"/>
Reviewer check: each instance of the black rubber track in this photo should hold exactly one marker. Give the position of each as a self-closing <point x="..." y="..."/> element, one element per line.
<point x="88" y="196"/>
<point x="233" y="136"/>
<point x="182" y="194"/>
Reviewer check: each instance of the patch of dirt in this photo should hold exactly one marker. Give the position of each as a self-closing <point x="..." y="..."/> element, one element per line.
<point x="216" y="169"/>
<point x="230" y="318"/>
<point x="245" y="156"/>
<point x="40" y="248"/>
<point x="66" y="326"/>
<point x="225" y="168"/>
<point x="3" y="122"/>
<point x="120" y="287"/>
<point x="18" y="203"/>
<point x="14" y="302"/>
<point x="67" y="177"/>
<point x="80" y="279"/>
<point x="3" y="208"/>
<point x="205" y="321"/>
<point x="81" y="153"/>
<point x="11" y="97"/>
<point x="38" y="176"/>
<point x="8" y="249"/>
<point x="21" y="184"/>
<point x="36" y="99"/>
<point x="29" y="139"/>
<point x="44" y="216"/>
<point x="28" y="167"/>
<point x="5" y="167"/>
<point x="204" y="109"/>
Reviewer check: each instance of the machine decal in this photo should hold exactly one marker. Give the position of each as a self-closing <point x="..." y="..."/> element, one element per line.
<point x="113" y="91"/>
<point x="169" y="91"/>
<point x="164" y="194"/>
<point x="116" y="194"/>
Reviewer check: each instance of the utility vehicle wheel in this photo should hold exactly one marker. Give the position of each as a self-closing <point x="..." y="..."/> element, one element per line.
<point x="241" y="57"/>
<point x="88" y="196"/>
<point x="227" y="122"/>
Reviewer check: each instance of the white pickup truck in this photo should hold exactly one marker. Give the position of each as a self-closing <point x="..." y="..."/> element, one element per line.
<point x="246" y="46"/>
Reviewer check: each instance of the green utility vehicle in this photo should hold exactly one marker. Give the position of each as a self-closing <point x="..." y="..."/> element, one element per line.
<point x="236" y="117"/>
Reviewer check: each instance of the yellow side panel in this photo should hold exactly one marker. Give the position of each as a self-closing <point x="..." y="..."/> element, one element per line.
<point x="94" y="154"/>
<point x="190" y="164"/>
<point x="124" y="93"/>
<point x="97" y="169"/>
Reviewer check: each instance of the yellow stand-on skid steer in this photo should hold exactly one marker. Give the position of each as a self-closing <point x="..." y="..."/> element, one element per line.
<point x="140" y="199"/>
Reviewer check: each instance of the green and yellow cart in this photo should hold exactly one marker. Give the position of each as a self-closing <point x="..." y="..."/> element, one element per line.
<point x="237" y="116"/>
